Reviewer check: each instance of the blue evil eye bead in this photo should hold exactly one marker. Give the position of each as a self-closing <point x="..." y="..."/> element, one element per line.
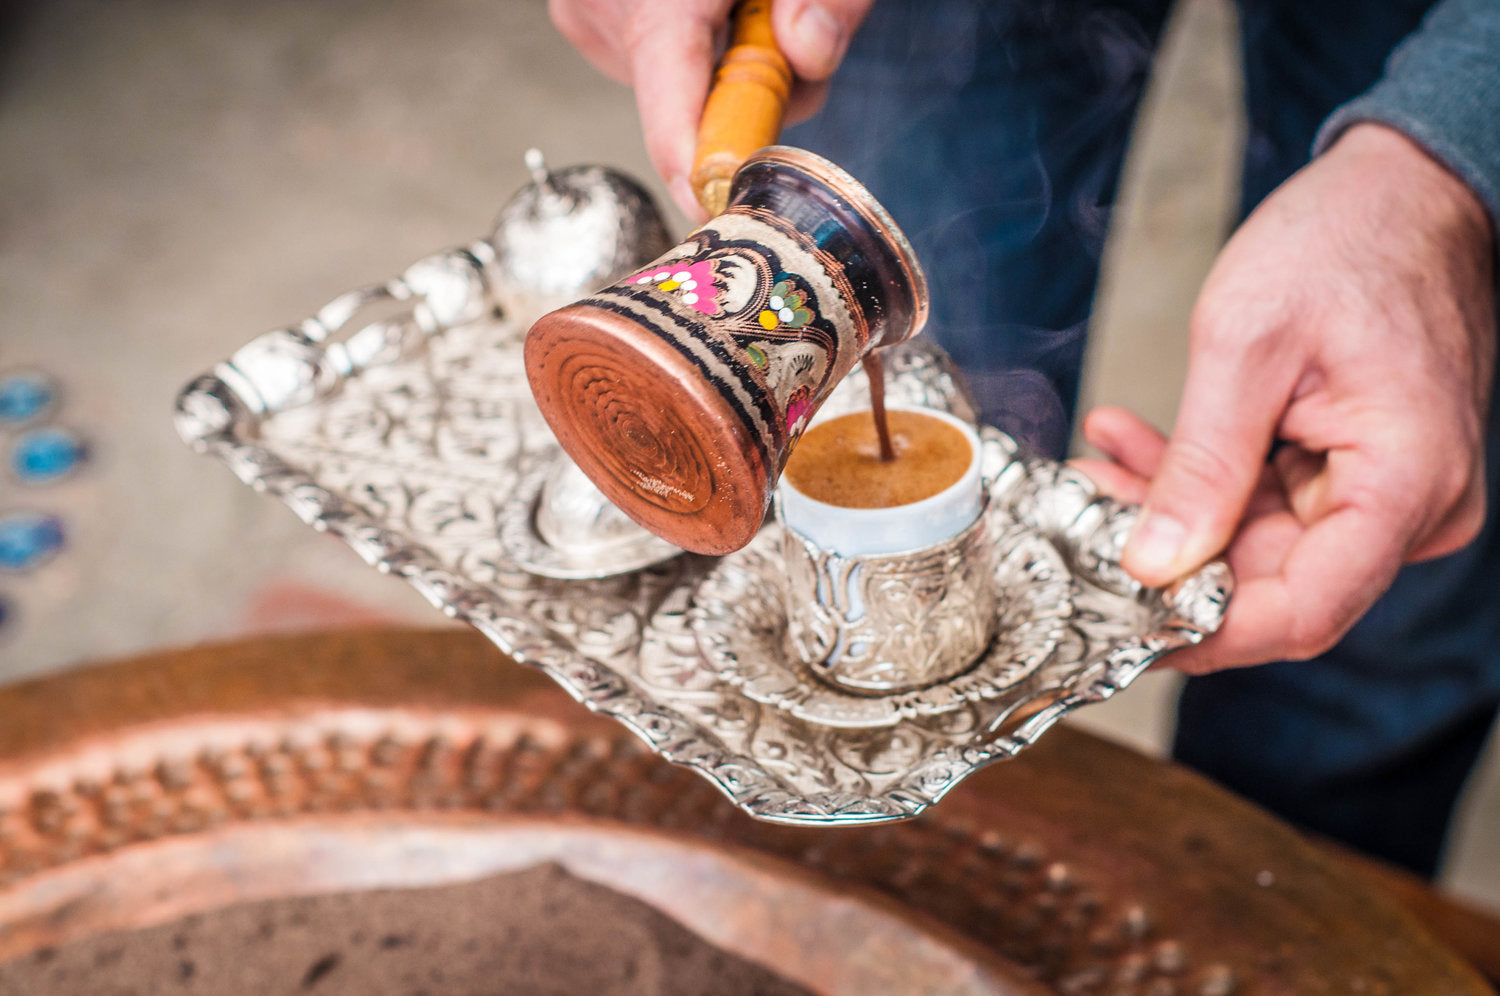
<point x="24" y="396"/>
<point x="28" y="539"/>
<point x="46" y="454"/>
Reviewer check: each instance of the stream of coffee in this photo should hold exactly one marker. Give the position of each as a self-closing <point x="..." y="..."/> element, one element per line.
<point x="874" y="366"/>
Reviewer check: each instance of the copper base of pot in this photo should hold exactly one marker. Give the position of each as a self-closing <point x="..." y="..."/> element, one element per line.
<point x="643" y="422"/>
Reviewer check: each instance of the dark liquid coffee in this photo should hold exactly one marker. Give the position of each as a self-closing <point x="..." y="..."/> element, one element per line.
<point x="838" y="462"/>
<point x="875" y="370"/>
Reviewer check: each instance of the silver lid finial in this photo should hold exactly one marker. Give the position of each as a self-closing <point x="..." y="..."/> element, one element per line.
<point x="537" y="164"/>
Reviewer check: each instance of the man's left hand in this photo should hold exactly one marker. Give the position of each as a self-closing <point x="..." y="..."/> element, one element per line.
<point x="1349" y="327"/>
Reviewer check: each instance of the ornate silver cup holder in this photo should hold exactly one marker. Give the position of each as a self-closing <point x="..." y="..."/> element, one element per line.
<point x="398" y="418"/>
<point x="739" y="615"/>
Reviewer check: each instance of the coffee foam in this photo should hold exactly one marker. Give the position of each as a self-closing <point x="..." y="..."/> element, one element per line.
<point x="838" y="462"/>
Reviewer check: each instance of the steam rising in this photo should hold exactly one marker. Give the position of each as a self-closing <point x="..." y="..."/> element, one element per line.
<point x="994" y="133"/>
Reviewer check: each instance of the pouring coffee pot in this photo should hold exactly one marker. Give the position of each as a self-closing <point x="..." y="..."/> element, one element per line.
<point x="681" y="389"/>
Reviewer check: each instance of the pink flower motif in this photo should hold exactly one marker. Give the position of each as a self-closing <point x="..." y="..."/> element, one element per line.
<point x="693" y="282"/>
<point x="797" y="408"/>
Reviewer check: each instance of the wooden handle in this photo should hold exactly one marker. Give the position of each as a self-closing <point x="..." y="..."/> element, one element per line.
<point x="745" y="104"/>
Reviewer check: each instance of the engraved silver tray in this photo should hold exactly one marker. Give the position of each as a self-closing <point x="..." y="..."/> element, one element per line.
<point x="398" y="419"/>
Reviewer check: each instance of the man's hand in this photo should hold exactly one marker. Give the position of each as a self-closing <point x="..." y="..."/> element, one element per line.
<point x="1349" y="326"/>
<point x="666" y="53"/>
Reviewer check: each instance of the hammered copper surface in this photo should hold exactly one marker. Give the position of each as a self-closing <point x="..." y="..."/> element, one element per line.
<point x="116" y="780"/>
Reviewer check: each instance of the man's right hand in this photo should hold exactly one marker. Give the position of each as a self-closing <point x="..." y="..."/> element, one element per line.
<point x="666" y="53"/>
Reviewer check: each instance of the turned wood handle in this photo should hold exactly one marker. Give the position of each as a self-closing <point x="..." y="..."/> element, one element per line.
<point x="745" y="104"/>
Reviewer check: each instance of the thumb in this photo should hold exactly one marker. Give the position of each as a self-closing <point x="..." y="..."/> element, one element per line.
<point x="1208" y="471"/>
<point x="815" y="34"/>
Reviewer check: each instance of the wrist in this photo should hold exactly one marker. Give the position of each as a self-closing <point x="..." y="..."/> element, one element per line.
<point x="1397" y="166"/>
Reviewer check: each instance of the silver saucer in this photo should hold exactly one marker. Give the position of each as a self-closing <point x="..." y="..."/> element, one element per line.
<point x="398" y="419"/>
<point x="739" y="618"/>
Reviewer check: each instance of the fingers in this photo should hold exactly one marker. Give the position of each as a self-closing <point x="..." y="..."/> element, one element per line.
<point x="1433" y="518"/>
<point x="1458" y="528"/>
<point x="671" y="52"/>
<point x="592" y="28"/>
<point x="1113" y="480"/>
<point x="815" y="34"/>
<point x="806" y="100"/>
<point x="1305" y="481"/>
<point x="1125" y="438"/>
<point x="1332" y="573"/>
<point x="666" y="52"/>
<point x="1133" y="448"/>
<point x="1322" y="539"/>
<point x="1210" y="466"/>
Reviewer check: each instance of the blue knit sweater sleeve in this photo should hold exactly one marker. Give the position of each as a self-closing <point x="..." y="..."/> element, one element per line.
<point x="1441" y="88"/>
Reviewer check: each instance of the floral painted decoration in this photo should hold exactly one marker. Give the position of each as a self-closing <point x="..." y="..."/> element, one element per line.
<point x="798" y="410"/>
<point x="787" y="307"/>
<point x="693" y="282"/>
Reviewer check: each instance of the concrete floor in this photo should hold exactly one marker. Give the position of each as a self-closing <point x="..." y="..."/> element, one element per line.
<point x="177" y="178"/>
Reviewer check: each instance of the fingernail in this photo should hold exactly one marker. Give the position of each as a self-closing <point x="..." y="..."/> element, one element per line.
<point x="820" y="32"/>
<point x="1156" y="543"/>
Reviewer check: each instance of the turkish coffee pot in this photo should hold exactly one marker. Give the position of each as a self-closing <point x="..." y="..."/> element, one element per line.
<point x="681" y="388"/>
